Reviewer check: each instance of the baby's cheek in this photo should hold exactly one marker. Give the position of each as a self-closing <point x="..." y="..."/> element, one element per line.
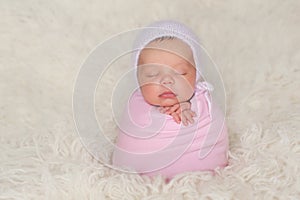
<point x="185" y="90"/>
<point x="149" y="93"/>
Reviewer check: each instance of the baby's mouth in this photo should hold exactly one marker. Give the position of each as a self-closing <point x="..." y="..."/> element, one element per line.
<point x="167" y="94"/>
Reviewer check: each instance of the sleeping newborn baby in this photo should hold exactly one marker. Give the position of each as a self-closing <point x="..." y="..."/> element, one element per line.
<point x="170" y="125"/>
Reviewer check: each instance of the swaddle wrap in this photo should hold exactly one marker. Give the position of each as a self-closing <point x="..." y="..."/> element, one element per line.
<point x="151" y="143"/>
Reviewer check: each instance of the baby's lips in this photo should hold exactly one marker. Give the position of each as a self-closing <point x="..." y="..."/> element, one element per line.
<point x="167" y="94"/>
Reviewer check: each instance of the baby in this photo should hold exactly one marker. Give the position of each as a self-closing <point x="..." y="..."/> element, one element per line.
<point x="169" y="127"/>
<point x="167" y="76"/>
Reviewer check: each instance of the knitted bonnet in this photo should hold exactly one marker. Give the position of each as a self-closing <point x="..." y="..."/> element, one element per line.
<point x="164" y="29"/>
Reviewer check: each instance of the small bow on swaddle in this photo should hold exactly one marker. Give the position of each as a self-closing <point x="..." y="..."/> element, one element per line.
<point x="207" y="87"/>
<point x="150" y="142"/>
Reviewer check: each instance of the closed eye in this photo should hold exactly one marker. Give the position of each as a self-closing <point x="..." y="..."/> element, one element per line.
<point x="181" y="73"/>
<point x="151" y="75"/>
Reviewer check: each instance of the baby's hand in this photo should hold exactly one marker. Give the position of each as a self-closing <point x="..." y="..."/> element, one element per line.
<point x="187" y="116"/>
<point x="180" y="112"/>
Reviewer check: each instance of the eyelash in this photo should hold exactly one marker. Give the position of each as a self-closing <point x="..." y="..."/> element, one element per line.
<point x="151" y="75"/>
<point x="182" y="73"/>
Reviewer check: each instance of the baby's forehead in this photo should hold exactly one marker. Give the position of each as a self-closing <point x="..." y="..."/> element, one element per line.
<point x="171" y="45"/>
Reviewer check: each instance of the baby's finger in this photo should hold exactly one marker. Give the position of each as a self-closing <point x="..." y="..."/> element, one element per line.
<point x="175" y="108"/>
<point x="161" y="109"/>
<point x="165" y="110"/>
<point x="176" y="117"/>
<point x="194" y="114"/>
<point x="184" y="120"/>
<point x="189" y="117"/>
<point x="178" y="112"/>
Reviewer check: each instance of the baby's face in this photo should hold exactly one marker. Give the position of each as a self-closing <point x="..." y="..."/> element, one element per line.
<point x="165" y="77"/>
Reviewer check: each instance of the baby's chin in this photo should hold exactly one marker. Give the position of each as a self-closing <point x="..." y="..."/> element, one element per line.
<point x="165" y="103"/>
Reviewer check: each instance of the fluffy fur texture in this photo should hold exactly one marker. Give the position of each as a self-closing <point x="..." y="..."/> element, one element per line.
<point x="43" y="43"/>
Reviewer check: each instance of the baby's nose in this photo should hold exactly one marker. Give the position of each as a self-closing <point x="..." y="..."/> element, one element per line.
<point x="167" y="80"/>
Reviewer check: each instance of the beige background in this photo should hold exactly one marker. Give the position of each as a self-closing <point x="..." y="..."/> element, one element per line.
<point x="42" y="45"/>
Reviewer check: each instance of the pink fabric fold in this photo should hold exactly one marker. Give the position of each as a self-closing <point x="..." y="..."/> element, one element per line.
<point x="152" y="143"/>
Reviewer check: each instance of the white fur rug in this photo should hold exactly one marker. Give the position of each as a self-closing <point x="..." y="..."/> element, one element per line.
<point x="43" y="43"/>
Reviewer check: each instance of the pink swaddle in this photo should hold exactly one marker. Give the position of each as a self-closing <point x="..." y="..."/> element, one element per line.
<point x="152" y="143"/>
<point x="156" y="144"/>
